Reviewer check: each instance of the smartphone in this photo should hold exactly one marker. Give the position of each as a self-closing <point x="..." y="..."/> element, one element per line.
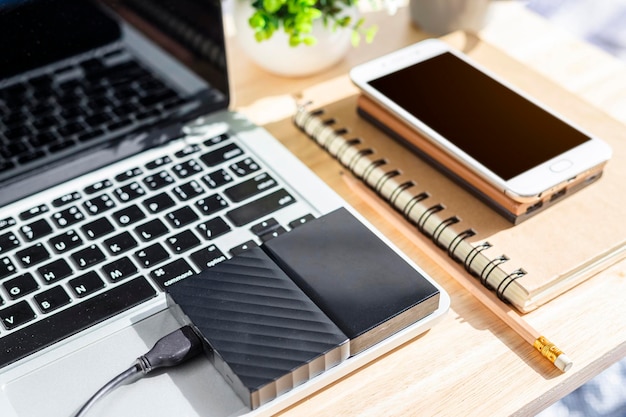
<point x="507" y="138"/>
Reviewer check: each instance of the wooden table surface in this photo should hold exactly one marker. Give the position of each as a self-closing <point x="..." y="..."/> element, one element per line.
<point x="470" y="364"/>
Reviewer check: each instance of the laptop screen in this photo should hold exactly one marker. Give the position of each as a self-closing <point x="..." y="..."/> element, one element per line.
<point x="85" y="83"/>
<point x="35" y="33"/>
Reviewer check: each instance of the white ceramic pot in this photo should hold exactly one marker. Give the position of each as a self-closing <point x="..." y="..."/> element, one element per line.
<point x="439" y="17"/>
<point x="276" y="56"/>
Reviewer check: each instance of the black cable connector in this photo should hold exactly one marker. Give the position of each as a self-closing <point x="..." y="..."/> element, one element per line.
<point x="171" y="350"/>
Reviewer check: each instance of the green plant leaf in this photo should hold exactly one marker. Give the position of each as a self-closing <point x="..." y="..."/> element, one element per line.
<point x="294" y="41"/>
<point x="370" y="33"/>
<point x="355" y="38"/>
<point x="272" y="6"/>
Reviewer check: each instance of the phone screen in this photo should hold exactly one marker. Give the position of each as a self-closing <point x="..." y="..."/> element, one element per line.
<point x="500" y="129"/>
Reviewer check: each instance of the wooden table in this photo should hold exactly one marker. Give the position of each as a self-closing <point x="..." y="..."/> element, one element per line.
<point x="470" y="363"/>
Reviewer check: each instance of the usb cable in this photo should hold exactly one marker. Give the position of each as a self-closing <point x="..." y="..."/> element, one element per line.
<point x="171" y="350"/>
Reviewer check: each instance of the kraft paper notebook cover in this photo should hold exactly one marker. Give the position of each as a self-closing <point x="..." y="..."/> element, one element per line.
<point x="526" y="264"/>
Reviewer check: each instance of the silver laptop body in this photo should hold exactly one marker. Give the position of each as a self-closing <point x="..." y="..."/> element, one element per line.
<point x="93" y="230"/>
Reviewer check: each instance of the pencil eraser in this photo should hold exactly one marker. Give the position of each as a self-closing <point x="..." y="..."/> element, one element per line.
<point x="563" y="362"/>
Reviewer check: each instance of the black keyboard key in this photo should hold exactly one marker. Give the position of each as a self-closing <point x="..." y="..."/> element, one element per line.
<point x="272" y="234"/>
<point x="87" y="257"/>
<point x="52" y="299"/>
<point x="98" y="118"/>
<point x="18" y="132"/>
<point x="36" y="230"/>
<point x="158" y="203"/>
<point x="300" y="221"/>
<point x="99" y="186"/>
<point x="12" y="150"/>
<point x="7" y="222"/>
<point x="260" y="208"/>
<point x="243" y="247"/>
<point x="119" y="269"/>
<point x="128" y="215"/>
<point x="187" y="150"/>
<point x="217" y="179"/>
<point x="16" y="315"/>
<point x="32" y="255"/>
<point x="217" y="139"/>
<point x="129" y="192"/>
<point x="6" y="165"/>
<point x="65" y="241"/>
<point x="66" y="199"/>
<point x="8" y="241"/>
<point x="6" y="267"/>
<point x="99" y="204"/>
<point x="181" y="217"/>
<point x="34" y="212"/>
<point x="250" y="188"/>
<point x="211" y="204"/>
<point x="207" y="257"/>
<point x="68" y="217"/>
<point x="182" y="242"/>
<point x="20" y="286"/>
<point x="43" y="139"/>
<point x="159" y="180"/>
<point x="97" y="228"/>
<point x="171" y="273"/>
<point x="221" y="155"/>
<point x="90" y="134"/>
<point x="63" y="145"/>
<point x="86" y="284"/>
<point x="264" y="227"/>
<point x="213" y="228"/>
<point x="120" y="243"/>
<point x="72" y="128"/>
<point x="151" y="255"/>
<point x="159" y="162"/>
<point x="30" y="157"/>
<point x="55" y="271"/>
<point x="151" y="230"/>
<point x="128" y="174"/>
<point x="187" y="168"/>
<point x="72" y="320"/>
<point x="245" y="167"/>
<point x="120" y="124"/>
<point x="188" y="190"/>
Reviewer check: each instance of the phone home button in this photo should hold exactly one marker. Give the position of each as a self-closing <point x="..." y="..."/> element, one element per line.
<point x="561" y="165"/>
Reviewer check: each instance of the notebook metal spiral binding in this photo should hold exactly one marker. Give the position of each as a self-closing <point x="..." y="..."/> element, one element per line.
<point x="467" y="262"/>
<point x="484" y="275"/>
<point x="457" y="241"/>
<point x="504" y="284"/>
<point x="441" y="227"/>
<point x="376" y="173"/>
<point x="377" y="163"/>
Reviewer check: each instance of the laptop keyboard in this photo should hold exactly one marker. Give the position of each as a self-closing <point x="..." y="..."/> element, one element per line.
<point x="78" y="104"/>
<point x="102" y="248"/>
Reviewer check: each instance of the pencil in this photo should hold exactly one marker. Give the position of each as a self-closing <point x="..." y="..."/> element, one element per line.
<point x="505" y="313"/>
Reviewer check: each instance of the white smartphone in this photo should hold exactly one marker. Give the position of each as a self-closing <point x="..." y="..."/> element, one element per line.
<point x="507" y="138"/>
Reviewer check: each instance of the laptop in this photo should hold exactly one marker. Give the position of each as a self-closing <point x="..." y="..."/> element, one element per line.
<point x="122" y="170"/>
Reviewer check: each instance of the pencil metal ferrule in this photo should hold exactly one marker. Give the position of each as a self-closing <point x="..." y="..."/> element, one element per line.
<point x="552" y="353"/>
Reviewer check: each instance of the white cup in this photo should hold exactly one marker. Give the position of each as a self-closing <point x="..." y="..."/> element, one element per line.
<point x="439" y="17"/>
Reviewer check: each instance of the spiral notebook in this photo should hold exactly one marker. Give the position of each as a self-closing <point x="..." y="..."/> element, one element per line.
<point x="526" y="264"/>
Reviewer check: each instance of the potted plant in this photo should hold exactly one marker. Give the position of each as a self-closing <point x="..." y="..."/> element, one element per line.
<point x="299" y="37"/>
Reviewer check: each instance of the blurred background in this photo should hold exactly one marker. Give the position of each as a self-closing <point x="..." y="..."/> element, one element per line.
<point x="602" y="23"/>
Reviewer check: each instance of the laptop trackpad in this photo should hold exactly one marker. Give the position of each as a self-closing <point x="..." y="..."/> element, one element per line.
<point x="192" y="389"/>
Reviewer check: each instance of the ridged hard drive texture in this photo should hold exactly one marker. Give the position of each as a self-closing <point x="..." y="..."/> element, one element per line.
<point x="255" y="318"/>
